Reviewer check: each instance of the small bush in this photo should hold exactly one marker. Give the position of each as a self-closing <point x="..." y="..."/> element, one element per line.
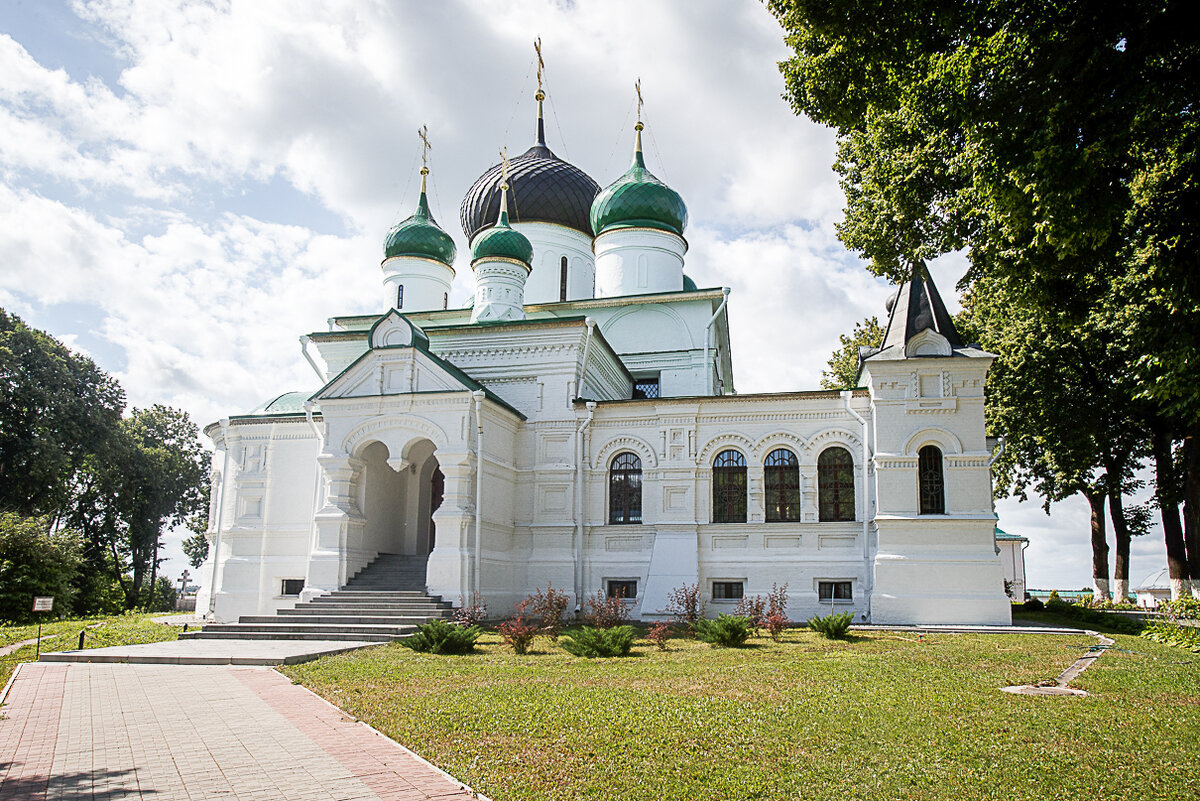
<point x="470" y="614"/>
<point x="549" y="609"/>
<point x="1185" y="608"/>
<point x="754" y="609"/>
<point x="604" y="612"/>
<point x="1033" y="605"/>
<point x="833" y="627"/>
<point x="519" y="631"/>
<point x="659" y="634"/>
<point x="591" y="642"/>
<point x="776" y="619"/>
<point x="728" y="631"/>
<point x="442" y="637"/>
<point x="685" y="606"/>
<point x="1173" y="634"/>
<point x="1082" y="614"/>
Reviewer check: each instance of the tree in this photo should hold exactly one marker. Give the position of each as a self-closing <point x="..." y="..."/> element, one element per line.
<point x="195" y="548"/>
<point x="843" y="364"/>
<point x="56" y="407"/>
<point x="35" y="561"/>
<point x="1055" y="142"/>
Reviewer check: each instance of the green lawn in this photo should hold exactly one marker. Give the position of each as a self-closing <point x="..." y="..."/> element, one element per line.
<point x="880" y="717"/>
<point x="116" y="630"/>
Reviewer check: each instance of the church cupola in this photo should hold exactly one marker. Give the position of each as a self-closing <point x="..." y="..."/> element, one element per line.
<point x="418" y="256"/>
<point x="501" y="258"/>
<point x="638" y="221"/>
<point x="549" y="200"/>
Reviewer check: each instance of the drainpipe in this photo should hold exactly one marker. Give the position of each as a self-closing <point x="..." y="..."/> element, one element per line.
<point x="587" y="343"/>
<point x="846" y="395"/>
<point x="708" y="387"/>
<point x="478" y="395"/>
<point x="304" y="340"/>
<point x="591" y="413"/>
<point x="212" y="588"/>
<point x="997" y="452"/>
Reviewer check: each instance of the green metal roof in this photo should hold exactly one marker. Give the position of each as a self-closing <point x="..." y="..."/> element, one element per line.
<point x="420" y="236"/>
<point x="1001" y="534"/>
<point x="287" y="403"/>
<point x="638" y="200"/>
<point x="502" y="242"/>
<point x="688" y="284"/>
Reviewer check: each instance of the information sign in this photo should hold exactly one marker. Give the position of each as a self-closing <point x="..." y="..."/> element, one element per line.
<point x="43" y="603"/>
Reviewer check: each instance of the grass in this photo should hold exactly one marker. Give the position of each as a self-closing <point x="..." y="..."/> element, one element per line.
<point x="102" y="632"/>
<point x="877" y="716"/>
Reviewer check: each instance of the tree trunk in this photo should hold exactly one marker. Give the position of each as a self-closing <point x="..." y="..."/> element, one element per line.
<point x="1191" y="504"/>
<point x="1116" y="510"/>
<point x="1164" y="476"/>
<point x="1099" y="544"/>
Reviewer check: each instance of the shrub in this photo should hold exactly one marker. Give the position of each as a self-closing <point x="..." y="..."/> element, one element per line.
<point x="35" y="561"/>
<point x="833" y="627"/>
<point x="685" y="606"/>
<point x="1173" y="634"/>
<point x="549" y="609"/>
<point x="519" y="631"/>
<point x="728" y="631"/>
<point x="659" y="634"/>
<point x="604" y="612"/>
<point x="1185" y="608"/>
<point x="442" y="637"/>
<point x="591" y="642"/>
<point x="776" y="619"/>
<point x="1033" y="605"/>
<point x="470" y="614"/>
<point x="754" y="609"/>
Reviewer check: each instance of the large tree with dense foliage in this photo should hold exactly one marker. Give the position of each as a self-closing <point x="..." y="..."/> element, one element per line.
<point x="56" y="407"/>
<point x="35" y="561"/>
<point x="1057" y="143"/>
<point x="843" y="364"/>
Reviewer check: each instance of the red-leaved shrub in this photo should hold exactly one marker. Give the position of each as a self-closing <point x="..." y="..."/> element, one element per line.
<point x="470" y="614"/>
<point x="685" y="606"/>
<point x="604" y="612"/>
<point x="549" y="609"/>
<point x="659" y="633"/>
<point x="518" y="631"/>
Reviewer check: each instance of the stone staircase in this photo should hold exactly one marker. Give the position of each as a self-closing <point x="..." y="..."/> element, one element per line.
<point x="384" y="601"/>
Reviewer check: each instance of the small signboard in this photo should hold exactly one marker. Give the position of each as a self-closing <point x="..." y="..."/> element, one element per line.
<point x="43" y="603"/>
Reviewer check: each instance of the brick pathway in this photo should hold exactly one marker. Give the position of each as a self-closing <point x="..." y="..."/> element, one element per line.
<point x="114" y="731"/>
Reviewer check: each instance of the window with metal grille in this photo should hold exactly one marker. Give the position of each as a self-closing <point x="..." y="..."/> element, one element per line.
<point x="291" y="586"/>
<point x="625" y="589"/>
<point x="781" y="477"/>
<point x="646" y="387"/>
<point x="562" y="279"/>
<point x="835" y="485"/>
<point x="445" y="300"/>
<point x="729" y="487"/>
<point x="625" y="489"/>
<point x="930" y="481"/>
<point x="727" y="590"/>
<point x="835" y="591"/>
<point x="400" y="296"/>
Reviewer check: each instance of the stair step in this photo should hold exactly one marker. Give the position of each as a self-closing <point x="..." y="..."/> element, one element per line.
<point x="362" y="609"/>
<point x="276" y="635"/>
<point x="335" y="628"/>
<point x="339" y="620"/>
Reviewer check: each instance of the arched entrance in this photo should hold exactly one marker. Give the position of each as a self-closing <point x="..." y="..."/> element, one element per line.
<point x="398" y="496"/>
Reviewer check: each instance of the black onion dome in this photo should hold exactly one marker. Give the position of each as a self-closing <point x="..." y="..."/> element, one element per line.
<point x="542" y="188"/>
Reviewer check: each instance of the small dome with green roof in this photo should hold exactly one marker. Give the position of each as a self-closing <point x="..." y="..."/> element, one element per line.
<point x="420" y="235"/>
<point x="502" y="241"/>
<point x="688" y="284"/>
<point x="638" y="200"/>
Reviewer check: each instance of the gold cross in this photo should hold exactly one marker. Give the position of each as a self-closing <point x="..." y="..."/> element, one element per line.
<point x="504" y="168"/>
<point x="423" y="132"/>
<point x="537" y="46"/>
<point x="637" y="86"/>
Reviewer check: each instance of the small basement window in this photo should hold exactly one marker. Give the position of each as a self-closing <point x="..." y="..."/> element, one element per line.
<point x="646" y="388"/>
<point x="626" y="589"/>
<point x="292" y="586"/>
<point x="728" y="590"/>
<point x="834" y="591"/>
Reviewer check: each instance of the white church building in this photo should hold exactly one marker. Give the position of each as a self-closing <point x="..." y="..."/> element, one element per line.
<point x="577" y="425"/>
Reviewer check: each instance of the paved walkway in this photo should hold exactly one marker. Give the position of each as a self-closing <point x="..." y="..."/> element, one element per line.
<point x="117" y="731"/>
<point x="211" y="652"/>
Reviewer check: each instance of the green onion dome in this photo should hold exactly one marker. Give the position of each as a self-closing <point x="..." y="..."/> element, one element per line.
<point x="420" y="236"/>
<point x="688" y="284"/>
<point x="638" y="200"/>
<point x="501" y="241"/>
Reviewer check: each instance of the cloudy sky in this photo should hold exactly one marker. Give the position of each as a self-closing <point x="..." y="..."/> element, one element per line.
<point x="188" y="186"/>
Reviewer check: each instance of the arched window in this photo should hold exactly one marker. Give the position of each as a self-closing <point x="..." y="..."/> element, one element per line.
<point x="445" y="300"/>
<point x="400" y="296"/>
<point x="729" y="487"/>
<point x="835" y="484"/>
<point x="562" y="279"/>
<point x="931" y="482"/>
<point x="781" y="474"/>
<point x="625" y="489"/>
